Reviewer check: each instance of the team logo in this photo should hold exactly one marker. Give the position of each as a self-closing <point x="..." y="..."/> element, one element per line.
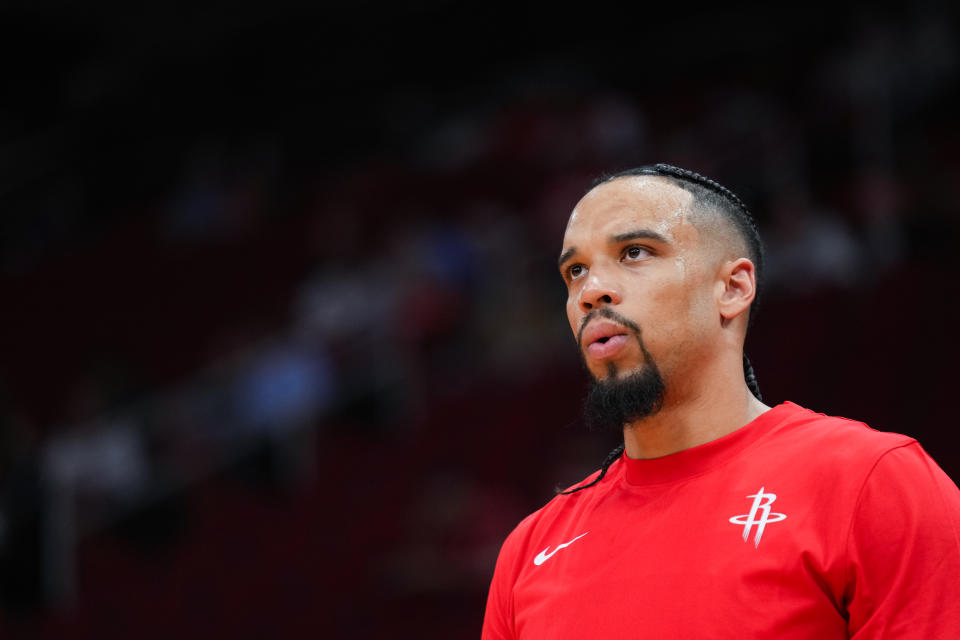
<point x="761" y="508"/>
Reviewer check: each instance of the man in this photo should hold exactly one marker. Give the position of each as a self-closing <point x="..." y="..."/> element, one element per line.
<point x="720" y="516"/>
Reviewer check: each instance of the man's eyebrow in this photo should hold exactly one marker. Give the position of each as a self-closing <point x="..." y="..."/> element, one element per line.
<point x="636" y="234"/>
<point x="649" y="234"/>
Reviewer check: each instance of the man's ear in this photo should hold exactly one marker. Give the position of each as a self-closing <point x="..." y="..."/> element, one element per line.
<point x="736" y="288"/>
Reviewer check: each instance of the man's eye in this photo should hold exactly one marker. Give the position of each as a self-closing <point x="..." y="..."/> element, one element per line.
<point x="576" y="271"/>
<point x="636" y="253"/>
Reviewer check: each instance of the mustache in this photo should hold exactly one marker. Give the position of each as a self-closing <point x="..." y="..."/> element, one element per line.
<point x="609" y="314"/>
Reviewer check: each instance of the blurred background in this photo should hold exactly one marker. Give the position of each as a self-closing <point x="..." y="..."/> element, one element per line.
<point x="282" y="344"/>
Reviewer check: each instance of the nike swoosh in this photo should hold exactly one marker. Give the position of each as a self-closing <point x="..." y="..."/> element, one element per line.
<point x="543" y="556"/>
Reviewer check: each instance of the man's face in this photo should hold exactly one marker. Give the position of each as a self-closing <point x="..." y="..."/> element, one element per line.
<point x="635" y="264"/>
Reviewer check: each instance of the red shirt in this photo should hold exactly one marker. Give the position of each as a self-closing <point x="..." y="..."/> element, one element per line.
<point x="797" y="525"/>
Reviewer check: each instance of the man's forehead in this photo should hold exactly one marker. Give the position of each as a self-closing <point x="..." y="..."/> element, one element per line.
<point x="648" y="200"/>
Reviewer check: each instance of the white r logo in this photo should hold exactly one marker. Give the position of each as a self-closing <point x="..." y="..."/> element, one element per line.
<point x="761" y="502"/>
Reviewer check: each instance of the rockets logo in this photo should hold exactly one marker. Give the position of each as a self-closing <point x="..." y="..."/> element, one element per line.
<point x="761" y="508"/>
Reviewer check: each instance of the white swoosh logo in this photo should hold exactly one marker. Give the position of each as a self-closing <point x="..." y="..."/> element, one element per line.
<point x="543" y="556"/>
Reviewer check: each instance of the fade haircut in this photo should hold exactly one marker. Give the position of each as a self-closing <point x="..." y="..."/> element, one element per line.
<point x="708" y="195"/>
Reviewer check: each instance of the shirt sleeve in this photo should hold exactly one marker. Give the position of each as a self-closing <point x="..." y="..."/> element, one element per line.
<point x="904" y="551"/>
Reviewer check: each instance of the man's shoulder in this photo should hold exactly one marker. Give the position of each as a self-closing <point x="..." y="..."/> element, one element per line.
<point x="830" y="437"/>
<point x="564" y="505"/>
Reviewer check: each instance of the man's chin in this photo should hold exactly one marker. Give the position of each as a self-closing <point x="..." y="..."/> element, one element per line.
<point x="622" y="397"/>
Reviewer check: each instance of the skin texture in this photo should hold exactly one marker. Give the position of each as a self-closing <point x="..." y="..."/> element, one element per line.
<point x="640" y="247"/>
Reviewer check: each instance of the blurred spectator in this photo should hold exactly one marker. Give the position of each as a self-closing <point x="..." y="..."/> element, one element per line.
<point x="284" y="386"/>
<point x="104" y="460"/>
<point x="809" y="248"/>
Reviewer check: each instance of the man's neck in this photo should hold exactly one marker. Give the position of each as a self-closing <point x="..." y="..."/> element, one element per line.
<point x="683" y="425"/>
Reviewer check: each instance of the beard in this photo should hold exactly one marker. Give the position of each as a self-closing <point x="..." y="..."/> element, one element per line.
<point x="614" y="402"/>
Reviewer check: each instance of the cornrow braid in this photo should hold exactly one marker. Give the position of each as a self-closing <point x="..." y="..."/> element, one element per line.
<point x="686" y="175"/>
<point x="610" y="459"/>
<point x="751" y="378"/>
<point x="745" y="224"/>
<point x="692" y="176"/>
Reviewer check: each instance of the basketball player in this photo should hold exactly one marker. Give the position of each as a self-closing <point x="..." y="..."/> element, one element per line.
<point x="719" y="516"/>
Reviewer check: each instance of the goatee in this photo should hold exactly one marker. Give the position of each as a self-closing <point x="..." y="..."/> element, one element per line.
<point x="614" y="402"/>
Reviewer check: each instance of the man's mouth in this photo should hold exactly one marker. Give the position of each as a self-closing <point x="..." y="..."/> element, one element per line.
<point x="606" y="346"/>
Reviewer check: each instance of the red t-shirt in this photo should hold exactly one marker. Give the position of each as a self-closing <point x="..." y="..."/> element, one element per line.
<point x="797" y="525"/>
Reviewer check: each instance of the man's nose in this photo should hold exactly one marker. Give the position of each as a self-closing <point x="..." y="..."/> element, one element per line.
<point x="598" y="291"/>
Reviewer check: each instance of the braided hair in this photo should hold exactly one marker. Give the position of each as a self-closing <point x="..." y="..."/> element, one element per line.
<point x="712" y="194"/>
